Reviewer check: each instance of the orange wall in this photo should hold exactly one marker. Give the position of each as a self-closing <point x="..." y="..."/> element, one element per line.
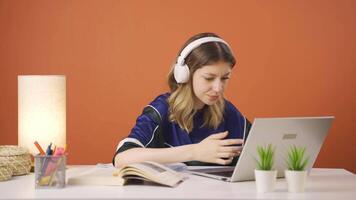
<point x="296" y="58"/>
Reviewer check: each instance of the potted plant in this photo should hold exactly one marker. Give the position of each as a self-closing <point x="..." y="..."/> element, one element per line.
<point x="265" y="176"/>
<point x="296" y="174"/>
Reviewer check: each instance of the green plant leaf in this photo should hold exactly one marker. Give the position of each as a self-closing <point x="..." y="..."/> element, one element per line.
<point x="295" y="159"/>
<point x="266" y="157"/>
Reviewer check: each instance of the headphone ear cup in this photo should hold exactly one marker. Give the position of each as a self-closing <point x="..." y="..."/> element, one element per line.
<point x="181" y="73"/>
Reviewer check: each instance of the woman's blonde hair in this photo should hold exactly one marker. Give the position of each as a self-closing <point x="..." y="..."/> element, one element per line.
<point x="181" y="100"/>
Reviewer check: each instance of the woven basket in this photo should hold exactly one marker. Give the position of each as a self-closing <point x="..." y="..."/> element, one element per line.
<point x="5" y="172"/>
<point x="16" y="158"/>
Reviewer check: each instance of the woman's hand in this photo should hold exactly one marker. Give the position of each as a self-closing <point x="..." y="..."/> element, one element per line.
<point x="216" y="149"/>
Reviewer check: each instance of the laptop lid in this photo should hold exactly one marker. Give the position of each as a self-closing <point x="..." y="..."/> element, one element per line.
<point x="282" y="133"/>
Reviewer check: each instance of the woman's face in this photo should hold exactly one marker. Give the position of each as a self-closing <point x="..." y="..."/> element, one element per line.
<point x="209" y="83"/>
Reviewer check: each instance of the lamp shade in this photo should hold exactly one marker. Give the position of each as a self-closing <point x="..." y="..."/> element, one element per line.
<point x="41" y="111"/>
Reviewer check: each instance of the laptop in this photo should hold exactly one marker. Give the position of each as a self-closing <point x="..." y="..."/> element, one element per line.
<point x="282" y="133"/>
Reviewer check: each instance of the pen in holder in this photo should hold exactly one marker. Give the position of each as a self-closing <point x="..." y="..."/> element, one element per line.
<point x="50" y="171"/>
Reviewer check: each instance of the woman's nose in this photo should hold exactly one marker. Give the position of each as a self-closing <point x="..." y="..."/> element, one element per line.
<point x="217" y="86"/>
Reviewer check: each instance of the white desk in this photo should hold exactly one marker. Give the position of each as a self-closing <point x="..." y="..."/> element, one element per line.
<point x="321" y="184"/>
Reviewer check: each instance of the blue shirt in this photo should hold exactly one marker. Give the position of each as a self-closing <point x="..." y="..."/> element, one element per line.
<point x="148" y="132"/>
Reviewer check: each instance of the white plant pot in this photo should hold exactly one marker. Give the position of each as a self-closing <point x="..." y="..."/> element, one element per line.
<point x="296" y="180"/>
<point x="265" y="180"/>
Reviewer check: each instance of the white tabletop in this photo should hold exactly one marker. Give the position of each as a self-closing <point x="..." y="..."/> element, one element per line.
<point x="321" y="184"/>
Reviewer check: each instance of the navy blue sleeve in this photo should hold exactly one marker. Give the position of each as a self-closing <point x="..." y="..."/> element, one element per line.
<point x="140" y="136"/>
<point x="145" y="132"/>
<point x="236" y="123"/>
<point x="143" y="129"/>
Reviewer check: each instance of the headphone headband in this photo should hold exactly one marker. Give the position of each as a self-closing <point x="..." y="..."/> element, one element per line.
<point x="196" y="43"/>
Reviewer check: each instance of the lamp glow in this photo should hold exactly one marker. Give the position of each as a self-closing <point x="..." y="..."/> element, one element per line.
<point x="41" y="111"/>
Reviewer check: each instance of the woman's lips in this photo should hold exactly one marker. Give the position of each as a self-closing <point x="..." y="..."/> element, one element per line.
<point x="212" y="97"/>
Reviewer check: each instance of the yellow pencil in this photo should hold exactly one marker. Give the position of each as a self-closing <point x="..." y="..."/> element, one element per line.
<point x="65" y="148"/>
<point x="51" y="180"/>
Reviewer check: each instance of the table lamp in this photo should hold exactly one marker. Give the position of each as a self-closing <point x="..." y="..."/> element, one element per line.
<point x="41" y="111"/>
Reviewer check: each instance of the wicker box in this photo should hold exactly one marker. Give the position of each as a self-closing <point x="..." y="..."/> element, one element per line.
<point x="15" y="158"/>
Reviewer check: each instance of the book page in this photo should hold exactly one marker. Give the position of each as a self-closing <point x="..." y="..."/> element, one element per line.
<point x="151" y="171"/>
<point x="93" y="176"/>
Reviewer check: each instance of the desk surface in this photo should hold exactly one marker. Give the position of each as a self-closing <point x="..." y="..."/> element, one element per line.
<point x="321" y="184"/>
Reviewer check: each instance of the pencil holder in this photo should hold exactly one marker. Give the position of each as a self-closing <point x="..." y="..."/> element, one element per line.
<point x="50" y="171"/>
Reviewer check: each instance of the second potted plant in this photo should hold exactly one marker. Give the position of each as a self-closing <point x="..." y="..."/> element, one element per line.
<point x="296" y="174"/>
<point x="265" y="176"/>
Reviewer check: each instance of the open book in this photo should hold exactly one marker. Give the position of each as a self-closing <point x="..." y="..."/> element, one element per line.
<point x="146" y="171"/>
<point x="150" y="171"/>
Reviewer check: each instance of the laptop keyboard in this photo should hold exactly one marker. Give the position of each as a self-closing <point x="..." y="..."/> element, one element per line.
<point x="224" y="174"/>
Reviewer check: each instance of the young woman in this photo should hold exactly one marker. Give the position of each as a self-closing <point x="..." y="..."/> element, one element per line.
<point x="193" y="123"/>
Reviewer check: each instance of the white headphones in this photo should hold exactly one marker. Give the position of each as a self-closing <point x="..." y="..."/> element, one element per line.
<point x="181" y="70"/>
